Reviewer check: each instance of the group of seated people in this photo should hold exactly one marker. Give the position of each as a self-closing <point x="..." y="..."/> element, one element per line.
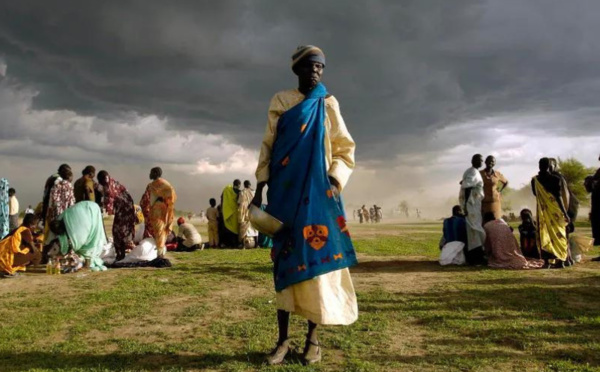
<point x="78" y="236"/>
<point x="501" y="248"/>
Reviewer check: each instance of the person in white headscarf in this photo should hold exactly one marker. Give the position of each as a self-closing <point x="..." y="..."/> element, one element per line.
<point x="471" y="195"/>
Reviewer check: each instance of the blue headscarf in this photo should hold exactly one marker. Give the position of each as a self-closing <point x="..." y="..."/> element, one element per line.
<point x="316" y="240"/>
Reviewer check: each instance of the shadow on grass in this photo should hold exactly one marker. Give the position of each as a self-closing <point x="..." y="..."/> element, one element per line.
<point x="13" y="362"/>
<point x="547" y="321"/>
<point x="408" y="266"/>
<point x="247" y="271"/>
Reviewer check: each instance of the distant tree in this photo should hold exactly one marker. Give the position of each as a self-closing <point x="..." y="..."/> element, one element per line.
<point x="403" y="206"/>
<point x="575" y="172"/>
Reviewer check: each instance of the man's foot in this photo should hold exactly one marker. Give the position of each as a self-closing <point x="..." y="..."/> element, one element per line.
<point x="596" y="259"/>
<point x="312" y="353"/>
<point x="278" y="354"/>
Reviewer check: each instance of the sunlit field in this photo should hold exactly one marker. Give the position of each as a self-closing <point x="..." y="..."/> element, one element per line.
<point x="214" y="310"/>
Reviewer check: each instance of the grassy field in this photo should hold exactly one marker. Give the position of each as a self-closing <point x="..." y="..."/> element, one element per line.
<point x="213" y="310"/>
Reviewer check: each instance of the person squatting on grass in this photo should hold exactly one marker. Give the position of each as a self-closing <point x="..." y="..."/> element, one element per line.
<point x="307" y="157"/>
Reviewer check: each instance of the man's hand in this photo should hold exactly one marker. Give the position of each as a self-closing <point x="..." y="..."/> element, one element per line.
<point x="335" y="186"/>
<point x="257" y="200"/>
<point x="335" y="190"/>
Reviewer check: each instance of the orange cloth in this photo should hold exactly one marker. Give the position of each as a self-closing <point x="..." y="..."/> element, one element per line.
<point x="158" y="206"/>
<point x="10" y="246"/>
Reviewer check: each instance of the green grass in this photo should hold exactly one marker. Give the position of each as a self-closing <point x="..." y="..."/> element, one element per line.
<point x="214" y="310"/>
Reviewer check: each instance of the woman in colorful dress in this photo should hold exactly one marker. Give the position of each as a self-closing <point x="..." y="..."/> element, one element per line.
<point x="306" y="159"/>
<point x="158" y="205"/>
<point x="494" y="183"/>
<point x="552" y="217"/>
<point x="61" y="197"/>
<point x="118" y="202"/>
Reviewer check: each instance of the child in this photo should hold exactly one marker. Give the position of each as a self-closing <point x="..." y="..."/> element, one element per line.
<point x="212" y="215"/>
<point x="527" y="231"/>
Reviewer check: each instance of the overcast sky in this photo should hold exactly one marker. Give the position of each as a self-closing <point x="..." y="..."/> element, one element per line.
<point x="126" y="85"/>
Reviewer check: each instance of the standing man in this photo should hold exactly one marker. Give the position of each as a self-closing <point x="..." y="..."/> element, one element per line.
<point x="84" y="188"/>
<point x="307" y="157"/>
<point x="248" y="234"/>
<point x="212" y="215"/>
<point x="229" y="207"/>
<point x="471" y="195"/>
<point x="13" y="209"/>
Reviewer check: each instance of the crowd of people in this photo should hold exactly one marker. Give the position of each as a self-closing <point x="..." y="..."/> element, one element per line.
<point x="69" y="220"/>
<point x="476" y="234"/>
<point x="373" y="214"/>
<point x="306" y="159"/>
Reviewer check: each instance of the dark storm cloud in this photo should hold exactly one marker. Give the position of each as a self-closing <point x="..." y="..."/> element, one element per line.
<point x="399" y="69"/>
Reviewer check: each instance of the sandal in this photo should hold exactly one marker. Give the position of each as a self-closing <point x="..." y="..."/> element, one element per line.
<point x="312" y="352"/>
<point x="278" y="354"/>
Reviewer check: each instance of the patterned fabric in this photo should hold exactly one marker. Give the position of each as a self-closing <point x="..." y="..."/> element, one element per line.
<point x="11" y="246"/>
<point x="502" y="249"/>
<point x="61" y="198"/>
<point x="316" y="240"/>
<point x="551" y="234"/>
<point x="4" y="219"/>
<point x="158" y="206"/>
<point x="118" y="202"/>
<point x="338" y="143"/>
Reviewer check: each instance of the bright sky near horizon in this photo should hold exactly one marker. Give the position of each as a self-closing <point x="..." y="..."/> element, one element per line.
<point x="423" y="85"/>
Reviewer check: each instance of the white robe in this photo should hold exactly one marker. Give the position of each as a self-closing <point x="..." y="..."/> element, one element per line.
<point x="475" y="232"/>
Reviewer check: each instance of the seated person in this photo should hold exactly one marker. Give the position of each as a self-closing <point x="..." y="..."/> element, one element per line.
<point x="455" y="227"/>
<point x="527" y="235"/>
<point x="188" y="239"/>
<point x="18" y="248"/>
<point x="80" y="229"/>
<point x="501" y="247"/>
<point x="454" y="241"/>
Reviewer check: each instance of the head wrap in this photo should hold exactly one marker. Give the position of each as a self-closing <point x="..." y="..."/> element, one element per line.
<point x="180" y="221"/>
<point x="308" y="52"/>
